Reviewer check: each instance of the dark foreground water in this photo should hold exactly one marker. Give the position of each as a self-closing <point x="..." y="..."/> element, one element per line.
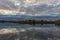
<point x="13" y="31"/>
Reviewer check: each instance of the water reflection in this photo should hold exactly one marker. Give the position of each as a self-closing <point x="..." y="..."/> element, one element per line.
<point x="13" y="31"/>
<point x="14" y="25"/>
<point x="30" y="34"/>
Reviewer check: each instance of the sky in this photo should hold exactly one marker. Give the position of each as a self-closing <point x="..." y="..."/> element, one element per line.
<point x="30" y="7"/>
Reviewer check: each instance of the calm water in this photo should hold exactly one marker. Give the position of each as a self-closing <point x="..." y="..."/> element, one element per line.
<point x="30" y="32"/>
<point x="15" y="25"/>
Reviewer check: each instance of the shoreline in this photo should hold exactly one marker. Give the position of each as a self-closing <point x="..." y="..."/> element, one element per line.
<point x="32" y="22"/>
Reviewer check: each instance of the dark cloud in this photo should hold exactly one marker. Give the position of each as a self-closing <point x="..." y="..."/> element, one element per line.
<point x="43" y="9"/>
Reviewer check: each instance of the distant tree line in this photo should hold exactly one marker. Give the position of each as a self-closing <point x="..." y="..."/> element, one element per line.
<point x="32" y="22"/>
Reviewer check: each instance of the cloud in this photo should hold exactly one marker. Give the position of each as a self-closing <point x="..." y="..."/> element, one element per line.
<point x="32" y="8"/>
<point x="43" y="9"/>
<point x="37" y="9"/>
<point x="7" y="4"/>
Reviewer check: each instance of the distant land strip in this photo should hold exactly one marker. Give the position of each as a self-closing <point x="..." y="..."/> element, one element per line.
<point x="32" y="22"/>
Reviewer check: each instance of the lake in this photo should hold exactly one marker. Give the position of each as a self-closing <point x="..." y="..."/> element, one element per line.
<point x="14" y="31"/>
<point x="16" y="25"/>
